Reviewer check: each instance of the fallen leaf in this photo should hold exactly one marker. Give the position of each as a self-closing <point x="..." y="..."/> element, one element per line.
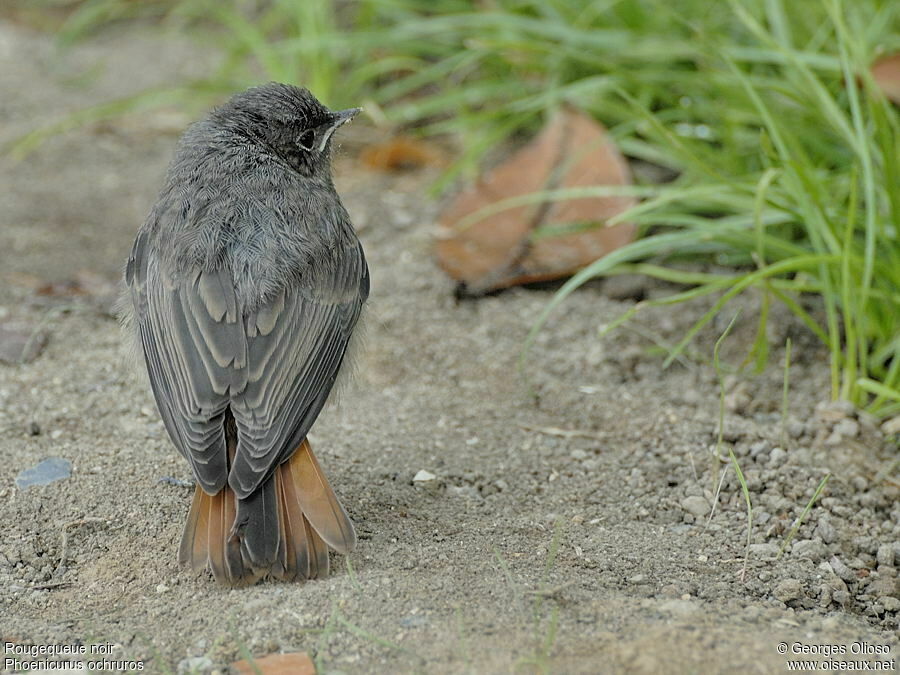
<point x="547" y="240"/>
<point x="20" y="342"/>
<point x="296" y="663"/>
<point x="886" y="72"/>
<point x="400" y="153"/>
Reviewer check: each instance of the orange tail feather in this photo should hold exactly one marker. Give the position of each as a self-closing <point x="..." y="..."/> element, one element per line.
<point x="310" y="520"/>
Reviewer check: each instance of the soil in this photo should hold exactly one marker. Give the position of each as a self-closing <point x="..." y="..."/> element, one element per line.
<point x="566" y="528"/>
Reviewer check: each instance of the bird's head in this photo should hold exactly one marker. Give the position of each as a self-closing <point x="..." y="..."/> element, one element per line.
<point x="288" y="120"/>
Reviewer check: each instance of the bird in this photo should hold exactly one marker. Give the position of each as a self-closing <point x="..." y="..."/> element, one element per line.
<point x="243" y="292"/>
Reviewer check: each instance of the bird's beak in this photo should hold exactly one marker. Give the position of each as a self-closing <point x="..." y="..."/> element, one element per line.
<point x="344" y="116"/>
<point x="339" y="118"/>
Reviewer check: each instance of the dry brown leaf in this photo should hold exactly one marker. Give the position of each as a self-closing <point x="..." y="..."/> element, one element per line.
<point x="296" y="663"/>
<point x="572" y="150"/>
<point x="886" y="72"/>
<point x="401" y="153"/>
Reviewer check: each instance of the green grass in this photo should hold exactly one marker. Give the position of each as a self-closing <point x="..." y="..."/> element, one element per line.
<point x="720" y="375"/>
<point x="788" y="173"/>
<point x="799" y="521"/>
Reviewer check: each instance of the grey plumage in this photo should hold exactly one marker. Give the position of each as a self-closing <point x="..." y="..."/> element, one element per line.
<point x="246" y="282"/>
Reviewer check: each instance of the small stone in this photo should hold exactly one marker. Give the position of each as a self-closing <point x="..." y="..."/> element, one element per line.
<point x="834" y="411"/>
<point x="413" y="621"/>
<point x="847" y="428"/>
<point x="739" y="399"/>
<point x="758" y="447"/>
<point x="423" y="476"/>
<point x="625" y="287"/>
<point x="795" y="428"/>
<point x="468" y="491"/>
<point x="697" y="506"/>
<point x="885" y="555"/>
<point x="890" y="603"/>
<point x="195" y="664"/>
<point x="161" y="588"/>
<point x="826" y="531"/>
<point x="777" y="456"/>
<point x="48" y="471"/>
<point x="832" y="581"/>
<point x="883" y="585"/>
<point x="812" y="549"/>
<point x="891" y="427"/>
<point x="578" y="454"/>
<point x="766" y="551"/>
<point x="788" y="589"/>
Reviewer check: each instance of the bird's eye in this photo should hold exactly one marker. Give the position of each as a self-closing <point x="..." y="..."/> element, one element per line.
<point x="307" y="139"/>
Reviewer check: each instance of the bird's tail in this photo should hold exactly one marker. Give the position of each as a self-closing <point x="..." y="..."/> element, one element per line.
<point x="287" y="526"/>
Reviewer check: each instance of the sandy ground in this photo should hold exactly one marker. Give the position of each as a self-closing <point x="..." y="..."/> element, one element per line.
<point x="566" y="528"/>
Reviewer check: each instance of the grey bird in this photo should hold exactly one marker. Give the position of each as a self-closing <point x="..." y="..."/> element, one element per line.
<point x="245" y="284"/>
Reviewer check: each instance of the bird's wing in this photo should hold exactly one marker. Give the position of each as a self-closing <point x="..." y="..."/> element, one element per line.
<point x="295" y="347"/>
<point x="273" y="368"/>
<point x="195" y="347"/>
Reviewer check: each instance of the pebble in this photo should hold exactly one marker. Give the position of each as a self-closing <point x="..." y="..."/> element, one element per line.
<point x="44" y="473"/>
<point x="468" y="491"/>
<point x="757" y="448"/>
<point x="847" y="427"/>
<point x="777" y="457"/>
<point x="826" y="531"/>
<point x="423" y="476"/>
<point x="795" y="428"/>
<point x="890" y="603"/>
<point x="195" y="664"/>
<point x="763" y="551"/>
<point x="788" y="589"/>
<point x="885" y="555"/>
<point x="883" y="585"/>
<point x="891" y="427"/>
<point x="834" y="411"/>
<point x="832" y="581"/>
<point x="813" y="549"/>
<point x="841" y="597"/>
<point x="697" y="506"/>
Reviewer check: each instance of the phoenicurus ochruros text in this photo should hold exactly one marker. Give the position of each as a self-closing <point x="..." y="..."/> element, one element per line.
<point x="246" y="282"/>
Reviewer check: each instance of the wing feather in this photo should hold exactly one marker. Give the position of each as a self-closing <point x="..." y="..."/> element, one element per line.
<point x="273" y="366"/>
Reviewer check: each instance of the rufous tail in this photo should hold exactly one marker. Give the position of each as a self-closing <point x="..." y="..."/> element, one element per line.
<point x="292" y="520"/>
